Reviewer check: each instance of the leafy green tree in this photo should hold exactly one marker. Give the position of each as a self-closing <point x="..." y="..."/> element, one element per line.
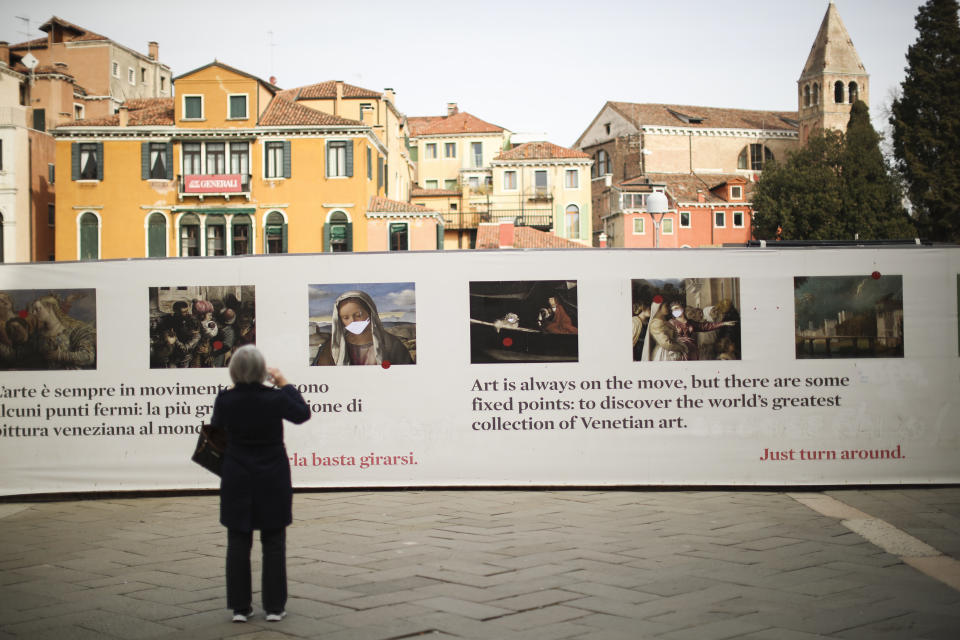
<point x="872" y="201"/>
<point x="837" y="187"/>
<point x="926" y="122"/>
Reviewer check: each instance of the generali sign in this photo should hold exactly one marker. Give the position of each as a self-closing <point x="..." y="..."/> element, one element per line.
<point x="230" y="183"/>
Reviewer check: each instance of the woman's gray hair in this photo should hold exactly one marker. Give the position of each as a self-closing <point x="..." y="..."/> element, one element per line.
<point x="247" y="365"/>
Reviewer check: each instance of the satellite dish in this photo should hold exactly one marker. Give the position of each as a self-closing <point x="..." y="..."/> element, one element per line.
<point x="30" y="61"/>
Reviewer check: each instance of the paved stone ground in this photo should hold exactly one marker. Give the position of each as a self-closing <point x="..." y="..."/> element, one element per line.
<point x="675" y="565"/>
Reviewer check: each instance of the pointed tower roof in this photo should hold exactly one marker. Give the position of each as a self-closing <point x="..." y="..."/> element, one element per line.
<point x="832" y="50"/>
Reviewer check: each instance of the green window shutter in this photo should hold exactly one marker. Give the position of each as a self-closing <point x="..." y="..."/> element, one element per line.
<point x="169" y="158"/>
<point x="326" y="237"/>
<point x="287" y="161"/>
<point x="283" y="248"/>
<point x="89" y="233"/>
<point x="144" y="160"/>
<point x="349" y="236"/>
<point x="349" y="158"/>
<point x="74" y="161"/>
<point x="369" y="164"/>
<point x="157" y="237"/>
<point x="326" y="158"/>
<point x="439" y="236"/>
<point x="379" y="171"/>
<point x="99" y="161"/>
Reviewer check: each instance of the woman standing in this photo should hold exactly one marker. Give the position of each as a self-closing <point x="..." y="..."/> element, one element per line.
<point x="255" y="487"/>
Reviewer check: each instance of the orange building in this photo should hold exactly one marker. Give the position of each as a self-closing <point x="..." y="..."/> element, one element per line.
<point x="233" y="165"/>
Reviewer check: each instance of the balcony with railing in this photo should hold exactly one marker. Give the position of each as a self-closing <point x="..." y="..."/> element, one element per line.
<point x="538" y="217"/>
<point x="222" y="186"/>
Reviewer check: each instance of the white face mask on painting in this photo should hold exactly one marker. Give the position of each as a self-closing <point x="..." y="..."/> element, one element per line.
<point x="677" y="313"/>
<point x="358" y="327"/>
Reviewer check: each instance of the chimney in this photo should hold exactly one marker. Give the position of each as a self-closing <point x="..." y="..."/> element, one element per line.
<point x="389" y="95"/>
<point x="700" y="196"/>
<point x="124" y="113"/>
<point x="602" y="240"/>
<point x="452" y="109"/>
<point x="368" y="116"/>
<point x="273" y="80"/>
<point x="5" y="53"/>
<point x="339" y="99"/>
<point x="154" y="49"/>
<point x="507" y="233"/>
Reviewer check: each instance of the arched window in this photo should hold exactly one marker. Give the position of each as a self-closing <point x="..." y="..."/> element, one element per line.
<point x="603" y="163"/>
<point x="753" y="157"/>
<point x="853" y="92"/>
<point x="216" y="234"/>
<point x="806" y="95"/>
<point x="157" y="236"/>
<point x="838" y="92"/>
<point x="816" y="93"/>
<point x="89" y="236"/>
<point x="275" y="234"/>
<point x="338" y="233"/>
<point x="189" y="235"/>
<point x="241" y="231"/>
<point x="573" y="222"/>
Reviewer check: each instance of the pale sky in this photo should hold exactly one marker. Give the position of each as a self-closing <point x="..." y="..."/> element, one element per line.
<point x="532" y="66"/>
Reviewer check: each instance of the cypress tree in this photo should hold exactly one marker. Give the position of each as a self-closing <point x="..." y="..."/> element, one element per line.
<point x="926" y="122"/>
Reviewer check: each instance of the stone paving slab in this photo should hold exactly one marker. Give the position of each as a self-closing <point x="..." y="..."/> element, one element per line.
<point x="525" y="565"/>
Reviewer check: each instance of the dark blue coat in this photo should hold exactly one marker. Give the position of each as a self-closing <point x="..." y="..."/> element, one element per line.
<point x="255" y="488"/>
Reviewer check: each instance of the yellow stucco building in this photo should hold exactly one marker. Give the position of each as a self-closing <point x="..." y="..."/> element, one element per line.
<point x="232" y="165"/>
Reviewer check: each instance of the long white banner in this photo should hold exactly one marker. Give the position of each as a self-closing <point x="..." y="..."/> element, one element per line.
<point x="573" y="367"/>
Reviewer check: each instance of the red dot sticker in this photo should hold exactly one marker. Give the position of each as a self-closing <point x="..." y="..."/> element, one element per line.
<point x="385" y="364"/>
<point x="875" y="275"/>
<point x="217" y="345"/>
<point x="658" y="299"/>
<point x="23" y="313"/>
<point x="508" y="342"/>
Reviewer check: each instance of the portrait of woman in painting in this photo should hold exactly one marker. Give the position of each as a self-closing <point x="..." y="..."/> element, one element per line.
<point x="358" y="337"/>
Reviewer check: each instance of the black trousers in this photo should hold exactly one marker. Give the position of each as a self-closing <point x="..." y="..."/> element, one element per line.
<point x="273" y="571"/>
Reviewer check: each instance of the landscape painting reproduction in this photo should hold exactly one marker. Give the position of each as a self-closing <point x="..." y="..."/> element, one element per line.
<point x="523" y="321"/>
<point x="686" y="319"/>
<point x="849" y="316"/>
<point x="200" y="326"/>
<point x="361" y="324"/>
<point x="42" y="329"/>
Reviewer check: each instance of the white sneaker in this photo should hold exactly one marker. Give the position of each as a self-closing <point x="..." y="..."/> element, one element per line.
<point x="276" y="617"/>
<point x="242" y="617"/>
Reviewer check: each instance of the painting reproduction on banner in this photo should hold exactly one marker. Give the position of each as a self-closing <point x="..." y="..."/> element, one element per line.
<point x="686" y="319"/>
<point x="524" y="321"/>
<point x="362" y="324"/>
<point x="43" y="329"/>
<point x="200" y="326"/>
<point x="849" y="316"/>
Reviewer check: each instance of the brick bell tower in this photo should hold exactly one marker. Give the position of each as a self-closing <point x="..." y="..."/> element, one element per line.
<point x="832" y="79"/>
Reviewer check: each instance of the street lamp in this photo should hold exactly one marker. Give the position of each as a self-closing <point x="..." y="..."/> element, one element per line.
<point x="657" y="204"/>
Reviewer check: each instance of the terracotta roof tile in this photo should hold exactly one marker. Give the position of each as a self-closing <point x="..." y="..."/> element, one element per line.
<point x="541" y="151"/>
<point x="284" y="112"/>
<point x="144" y="112"/>
<point x="81" y="33"/>
<point x="461" y="122"/>
<point x="385" y="205"/>
<point x="687" y="187"/>
<point x="417" y="192"/>
<point x="328" y="89"/>
<point x="39" y="43"/>
<point x="488" y="237"/>
<point x="706" y="117"/>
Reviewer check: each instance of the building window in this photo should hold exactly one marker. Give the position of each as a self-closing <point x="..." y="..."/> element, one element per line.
<point x="806" y="95"/>
<point x="450" y="150"/>
<point x="241" y="229"/>
<point x="399" y="236"/>
<point x="638" y="226"/>
<point x="606" y="128"/>
<point x="189" y="235"/>
<point x="275" y="234"/>
<point x="540" y="181"/>
<point x="238" y="107"/>
<point x="666" y="226"/>
<point x="131" y="77"/>
<point x="338" y="233"/>
<point x="736" y="193"/>
<point x="509" y="180"/>
<point x="88" y="163"/>
<point x="719" y="219"/>
<point x="163" y="83"/>
<point x="430" y="184"/>
<point x="156" y="161"/>
<point x="453" y="206"/>
<point x="369" y="164"/>
<point x="77" y="111"/>
<point x="157" y="236"/>
<point x="573" y="222"/>
<point x="51" y="215"/>
<point x="476" y="154"/>
<point x="853" y="92"/>
<point x="838" y="92"/>
<point x="738" y="219"/>
<point x="89" y="236"/>
<point x="193" y="107"/>
<point x="431" y="151"/>
<point x="115" y="69"/>
<point x="684" y="219"/>
<point x="603" y="163"/>
<point x="571" y="179"/>
<point x="191" y="159"/>
<point x="474" y="183"/>
<point x="816" y="93"/>
<point x="143" y="75"/>
<point x="240" y="158"/>
<point x="339" y="159"/>
<point x="450" y="185"/>
<point x="633" y="200"/>
<point x="277" y="159"/>
<point x="754" y="156"/>
<point x="216" y="158"/>
<point x="51" y="168"/>
<point x="216" y="228"/>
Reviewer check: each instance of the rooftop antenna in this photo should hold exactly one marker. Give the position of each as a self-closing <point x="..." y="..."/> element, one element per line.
<point x="28" y="60"/>
<point x="271" y="45"/>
